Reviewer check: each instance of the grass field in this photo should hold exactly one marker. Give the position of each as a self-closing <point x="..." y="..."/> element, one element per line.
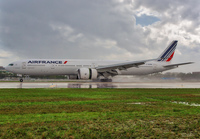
<point x="99" y="113"/>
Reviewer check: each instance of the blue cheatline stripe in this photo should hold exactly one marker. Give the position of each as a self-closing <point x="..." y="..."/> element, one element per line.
<point x="169" y="54"/>
<point x="171" y="47"/>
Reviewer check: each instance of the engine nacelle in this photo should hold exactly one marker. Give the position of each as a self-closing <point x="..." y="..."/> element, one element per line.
<point x="87" y="73"/>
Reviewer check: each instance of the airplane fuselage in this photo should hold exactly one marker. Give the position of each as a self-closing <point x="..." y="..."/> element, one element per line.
<point x="71" y="66"/>
<point x="93" y="69"/>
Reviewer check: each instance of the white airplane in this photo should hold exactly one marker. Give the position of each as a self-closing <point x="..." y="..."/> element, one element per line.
<point x="95" y="69"/>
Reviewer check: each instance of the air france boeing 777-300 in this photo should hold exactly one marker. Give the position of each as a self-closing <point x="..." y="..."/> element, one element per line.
<point x="94" y="69"/>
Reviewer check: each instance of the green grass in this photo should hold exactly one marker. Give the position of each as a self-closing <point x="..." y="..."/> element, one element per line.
<point x="99" y="113"/>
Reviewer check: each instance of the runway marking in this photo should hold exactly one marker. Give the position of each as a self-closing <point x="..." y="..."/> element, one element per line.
<point x="52" y="86"/>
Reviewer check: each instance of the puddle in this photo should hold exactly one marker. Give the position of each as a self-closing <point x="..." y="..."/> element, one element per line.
<point x="186" y="103"/>
<point x="137" y="103"/>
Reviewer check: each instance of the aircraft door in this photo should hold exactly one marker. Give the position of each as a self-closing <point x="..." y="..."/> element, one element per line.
<point x="23" y="65"/>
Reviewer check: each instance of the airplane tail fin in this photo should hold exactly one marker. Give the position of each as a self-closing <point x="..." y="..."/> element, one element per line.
<point x="168" y="53"/>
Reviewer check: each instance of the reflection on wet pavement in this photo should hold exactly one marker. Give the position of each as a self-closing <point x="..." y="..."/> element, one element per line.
<point x="98" y="85"/>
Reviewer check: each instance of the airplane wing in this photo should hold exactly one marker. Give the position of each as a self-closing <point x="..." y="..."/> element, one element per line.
<point x="121" y="66"/>
<point x="179" y="64"/>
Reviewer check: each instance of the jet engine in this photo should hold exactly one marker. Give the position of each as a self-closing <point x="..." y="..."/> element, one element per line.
<point x="87" y="73"/>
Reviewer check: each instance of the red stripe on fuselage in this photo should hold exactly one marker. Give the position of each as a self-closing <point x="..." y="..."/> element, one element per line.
<point x="65" y="62"/>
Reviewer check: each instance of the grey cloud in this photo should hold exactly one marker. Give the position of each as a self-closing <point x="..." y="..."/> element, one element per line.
<point x="30" y="34"/>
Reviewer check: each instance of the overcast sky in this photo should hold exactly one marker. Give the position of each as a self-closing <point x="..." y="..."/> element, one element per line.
<point x="100" y="29"/>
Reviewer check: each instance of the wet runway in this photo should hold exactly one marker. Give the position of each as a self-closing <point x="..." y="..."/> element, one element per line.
<point x="98" y="85"/>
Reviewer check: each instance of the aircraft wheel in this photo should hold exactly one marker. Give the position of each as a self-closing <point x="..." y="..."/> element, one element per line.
<point x="21" y="80"/>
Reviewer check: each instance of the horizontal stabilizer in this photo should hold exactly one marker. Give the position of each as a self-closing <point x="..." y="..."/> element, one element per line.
<point x="176" y="65"/>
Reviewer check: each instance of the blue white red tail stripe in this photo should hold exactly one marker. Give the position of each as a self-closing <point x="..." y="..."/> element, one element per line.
<point x="168" y="54"/>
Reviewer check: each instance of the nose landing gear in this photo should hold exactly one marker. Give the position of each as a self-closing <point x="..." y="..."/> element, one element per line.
<point x="21" y="80"/>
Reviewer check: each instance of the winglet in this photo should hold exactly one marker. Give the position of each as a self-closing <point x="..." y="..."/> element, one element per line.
<point x="168" y="54"/>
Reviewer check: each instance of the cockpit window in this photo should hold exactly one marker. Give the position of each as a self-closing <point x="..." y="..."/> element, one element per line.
<point x="10" y="64"/>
